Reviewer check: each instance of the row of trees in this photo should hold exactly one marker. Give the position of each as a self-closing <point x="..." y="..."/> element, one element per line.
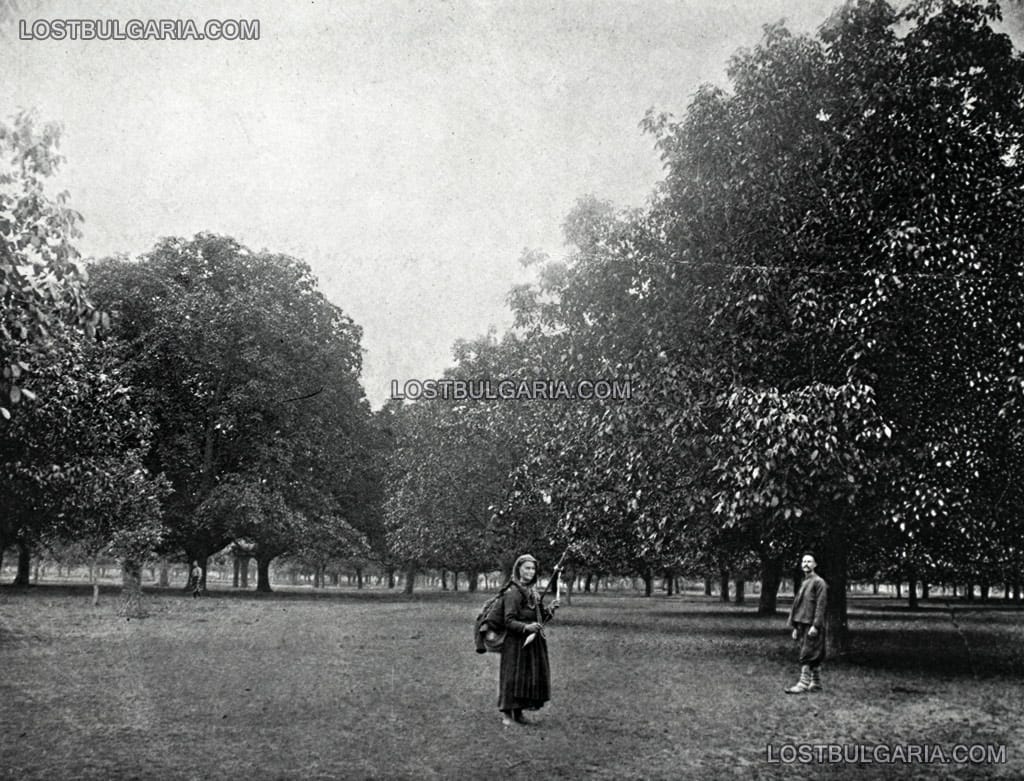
<point x="198" y="396"/>
<point x="818" y="315"/>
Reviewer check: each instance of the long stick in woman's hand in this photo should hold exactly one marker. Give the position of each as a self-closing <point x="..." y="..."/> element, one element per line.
<point x="556" y="576"/>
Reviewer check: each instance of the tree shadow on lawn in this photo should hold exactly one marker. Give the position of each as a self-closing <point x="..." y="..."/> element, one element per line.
<point x="913" y="617"/>
<point x="739" y="613"/>
<point x="941" y="651"/>
<point x="299" y="593"/>
<point x="284" y="593"/>
<point x="685" y="628"/>
<point x="931" y="607"/>
<point x="895" y="639"/>
<point x="45" y="590"/>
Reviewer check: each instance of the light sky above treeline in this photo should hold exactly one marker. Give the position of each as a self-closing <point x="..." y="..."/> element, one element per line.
<point x="408" y="151"/>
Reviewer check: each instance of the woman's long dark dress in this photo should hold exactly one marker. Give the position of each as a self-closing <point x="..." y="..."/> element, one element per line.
<point x="524" y="680"/>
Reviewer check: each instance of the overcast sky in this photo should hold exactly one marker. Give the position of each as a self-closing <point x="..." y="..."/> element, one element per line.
<point x="408" y="151"/>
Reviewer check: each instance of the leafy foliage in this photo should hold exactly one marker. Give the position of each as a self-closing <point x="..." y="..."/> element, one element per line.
<point x="73" y="465"/>
<point x="450" y="473"/>
<point x="817" y="315"/>
<point x="41" y="276"/>
<point x="251" y="376"/>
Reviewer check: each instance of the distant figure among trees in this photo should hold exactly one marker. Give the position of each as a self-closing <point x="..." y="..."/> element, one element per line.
<point x="807" y="619"/>
<point x="197" y="580"/>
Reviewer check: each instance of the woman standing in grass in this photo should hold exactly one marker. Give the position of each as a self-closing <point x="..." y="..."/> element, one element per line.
<point x="524" y="681"/>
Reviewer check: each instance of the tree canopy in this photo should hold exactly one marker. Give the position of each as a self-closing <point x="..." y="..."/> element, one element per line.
<point x="816" y="313"/>
<point x="251" y="377"/>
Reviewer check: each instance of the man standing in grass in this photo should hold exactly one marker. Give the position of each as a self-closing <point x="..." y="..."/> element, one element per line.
<point x="197" y="580"/>
<point x="807" y="619"/>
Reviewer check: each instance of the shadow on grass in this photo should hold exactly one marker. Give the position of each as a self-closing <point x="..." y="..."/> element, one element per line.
<point x="283" y="593"/>
<point x="687" y="626"/>
<point x="741" y="613"/>
<point x="286" y="593"/>
<point x="58" y="589"/>
<point x="898" y="616"/>
<point x="930" y="652"/>
<point x="935" y="605"/>
<point x="942" y="651"/>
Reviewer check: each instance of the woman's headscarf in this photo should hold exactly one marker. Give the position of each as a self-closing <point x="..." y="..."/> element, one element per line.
<point x="530" y="587"/>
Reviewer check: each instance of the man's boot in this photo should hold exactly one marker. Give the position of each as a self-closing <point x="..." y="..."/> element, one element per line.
<point x="815" y="680"/>
<point x="804" y="684"/>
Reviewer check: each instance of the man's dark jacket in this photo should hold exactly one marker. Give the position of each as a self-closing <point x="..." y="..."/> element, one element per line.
<point x="809" y="605"/>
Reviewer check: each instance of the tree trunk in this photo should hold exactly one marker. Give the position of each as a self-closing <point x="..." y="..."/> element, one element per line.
<point x="741" y="591"/>
<point x="874" y="587"/>
<point x="835" y="560"/>
<point x="24" y="565"/>
<point x="410" y="579"/>
<point x="444" y="580"/>
<point x="131" y="590"/>
<point x="925" y="588"/>
<point x="455" y="580"/>
<point x="648" y="577"/>
<point x="912" y="588"/>
<point x="984" y="592"/>
<point x="723" y="583"/>
<point x="669" y="583"/>
<point x="165" y="574"/>
<point x="243" y="567"/>
<point x="708" y="590"/>
<point x="473" y="578"/>
<point x="359" y="577"/>
<point x="969" y="592"/>
<point x="263" y="574"/>
<point x="95" y="581"/>
<point x="588" y="583"/>
<point x="391" y="577"/>
<point x="238" y="572"/>
<point x="899" y="590"/>
<point x="771" y="579"/>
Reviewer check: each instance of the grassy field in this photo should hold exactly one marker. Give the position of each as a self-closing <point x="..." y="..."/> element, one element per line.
<point x="348" y="684"/>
